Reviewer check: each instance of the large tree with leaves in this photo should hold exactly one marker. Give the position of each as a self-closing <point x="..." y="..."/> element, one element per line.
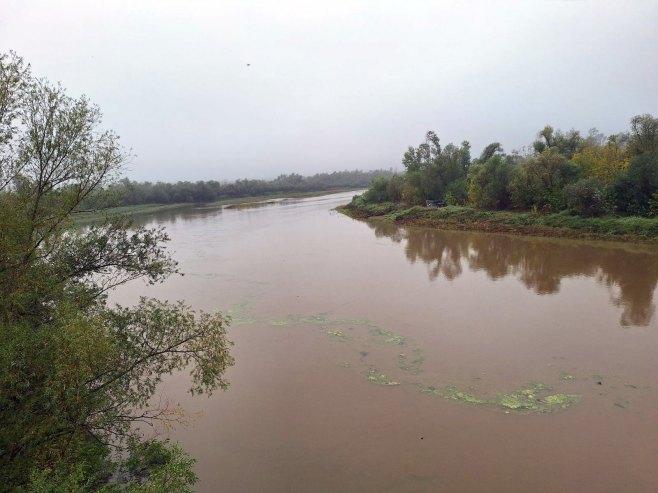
<point x="77" y="376"/>
<point x="435" y="172"/>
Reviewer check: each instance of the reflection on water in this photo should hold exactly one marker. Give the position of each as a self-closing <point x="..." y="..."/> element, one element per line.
<point x="631" y="273"/>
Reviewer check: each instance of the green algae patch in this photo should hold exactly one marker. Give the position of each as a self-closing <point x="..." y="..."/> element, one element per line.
<point x="387" y="337"/>
<point x="428" y="389"/>
<point x="451" y="393"/>
<point x="531" y="399"/>
<point x="454" y="394"/>
<point x="380" y="378"/>
<point x="320" y="318"/>
<point x="412" y="364"/>
<point x="338" y="334"/>
<point x="535" y="399"/>
<point x="235" y="321"/>
<point x="317" y="319"/>
<point x="561" y="400"/>
<point x="323" y="319"/>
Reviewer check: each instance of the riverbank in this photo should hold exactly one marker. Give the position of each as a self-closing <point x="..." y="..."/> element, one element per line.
<point x="134" y="210"/>
<point x="561" y="225"/>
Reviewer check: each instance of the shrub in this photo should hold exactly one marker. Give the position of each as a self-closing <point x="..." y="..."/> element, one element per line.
<point x="489" y="184"/>
<point x="378" y="191"/>
<point x="585" y="197"/>
<point x="395" y="186"/>
<point x="632" y="193"/>
<point x="653" y="205"/>
<point x="411" y="195"/>
<point x="456" y="192"/>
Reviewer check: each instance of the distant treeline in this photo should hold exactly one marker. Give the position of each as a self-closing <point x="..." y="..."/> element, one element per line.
<point x="588" y="175"/>
<point x="127" y="192"/>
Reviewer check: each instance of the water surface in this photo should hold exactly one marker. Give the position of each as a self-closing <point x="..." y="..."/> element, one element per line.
<point x="371" y="357"/>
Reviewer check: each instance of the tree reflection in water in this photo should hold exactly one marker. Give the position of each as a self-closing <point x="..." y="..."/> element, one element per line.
<point x="630" y="272"/>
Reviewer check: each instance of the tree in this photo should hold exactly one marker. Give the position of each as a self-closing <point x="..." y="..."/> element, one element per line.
<point x="632" y="192"/>
<point x="395" y="187"/>
<point x="378" y="191"/>
<point x="566" y="144"/>
<point x="604" y="163"/>
<point x="14" y="75"/>
<point x="585" y="197"/>
<point x="76" y="375"/>
<point x="433" y="171"/>
<point x="540" y="179"/>
<point x="489" y="183"/>
<point x="489" y="151"/>
<point x="644" y="134"/>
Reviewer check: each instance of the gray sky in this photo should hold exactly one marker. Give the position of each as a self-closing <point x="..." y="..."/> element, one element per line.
<point x="336" y="84"/>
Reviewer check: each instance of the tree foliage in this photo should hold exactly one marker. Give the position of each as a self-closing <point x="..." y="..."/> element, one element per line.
<point x="126" y="192"/>
<point x="539" y="181"/>
<point x="489" y="183"/>
<point x="565" y="143"/>
<point x="644" y="135"/>
<point x="585" y="197"/>
<point x="588" y="176"/>
<point x="77" y="376"/>
<point x="604" y="163"/>
<point x="431" y="169"/>
<point x="633" y="192"/>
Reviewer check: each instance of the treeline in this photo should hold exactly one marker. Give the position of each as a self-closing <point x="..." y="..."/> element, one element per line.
<point x="127" y="192"/>
<point x="562" y="171"/>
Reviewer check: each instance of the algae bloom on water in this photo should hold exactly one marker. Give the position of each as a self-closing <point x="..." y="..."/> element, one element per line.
<point x="536" y="398"/>
<point x="380" y="378"/>
<point x="453" y="393"/>
<point x="338" y="334"/>
<point x="387" y="337"/>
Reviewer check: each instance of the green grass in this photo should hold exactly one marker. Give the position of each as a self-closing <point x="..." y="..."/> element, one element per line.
<point x="560" y="224"/>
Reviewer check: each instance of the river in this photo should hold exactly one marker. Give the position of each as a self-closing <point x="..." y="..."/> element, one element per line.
<point x="372" y="357"/>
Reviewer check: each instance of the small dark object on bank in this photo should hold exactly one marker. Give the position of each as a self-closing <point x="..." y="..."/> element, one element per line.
<point x="435" y="203"/>
<point x="599" y="382"/>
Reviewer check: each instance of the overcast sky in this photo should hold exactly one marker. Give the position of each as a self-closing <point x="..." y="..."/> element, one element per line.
<point x="332" y="84"/>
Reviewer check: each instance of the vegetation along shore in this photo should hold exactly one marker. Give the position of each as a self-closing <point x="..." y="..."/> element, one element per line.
<point x="563" y="185"/>
<point x="149" y="208"/>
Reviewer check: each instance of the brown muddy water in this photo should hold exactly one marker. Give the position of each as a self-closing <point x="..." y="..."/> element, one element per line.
<point x="376" y="358"/>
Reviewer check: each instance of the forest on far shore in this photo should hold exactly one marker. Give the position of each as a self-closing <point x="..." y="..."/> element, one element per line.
<point x="126" y="192"/>
<point x="590" y="175"/>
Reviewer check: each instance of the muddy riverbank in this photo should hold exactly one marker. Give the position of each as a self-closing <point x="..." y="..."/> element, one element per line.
<point x="561" y="225"/>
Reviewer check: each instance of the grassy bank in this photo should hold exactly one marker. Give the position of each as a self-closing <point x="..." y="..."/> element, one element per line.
<point x="523" y="223"/>
<point x="134" y="210"/>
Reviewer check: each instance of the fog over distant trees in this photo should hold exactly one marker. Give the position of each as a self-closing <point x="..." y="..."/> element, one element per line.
<point x="127" y="192"/>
